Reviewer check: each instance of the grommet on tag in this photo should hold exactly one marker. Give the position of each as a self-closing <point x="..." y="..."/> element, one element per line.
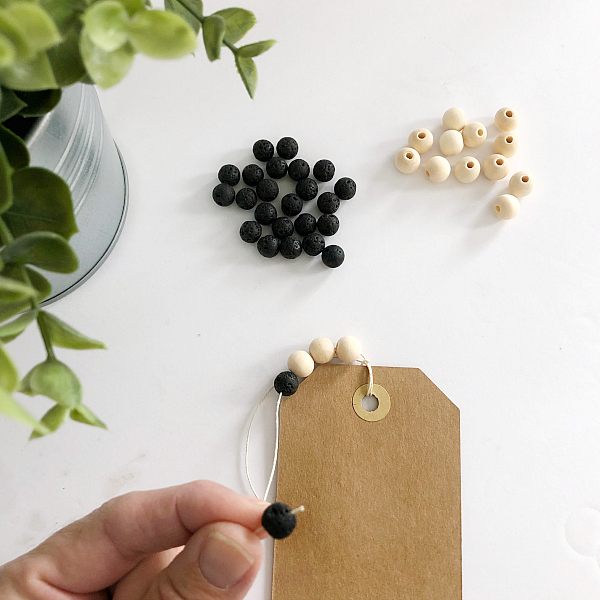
<point x="382" y="409"/>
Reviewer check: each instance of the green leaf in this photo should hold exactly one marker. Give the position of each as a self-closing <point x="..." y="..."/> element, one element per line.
<point x="12" y="290"/>
<point x="15" y="148"/>
<point x="238" y="21"/>
<point x="65" y="13"/>
<point x="37" y="25"/>
<point x="83" y="414"/>
<point x="41" y="202"/>
<point x="10" y="331"/>
<point x="65" y="336"/>
<point x="39" y="282"/>
<point x="255" y="49"/>
<point x="11" y="408"/>
<point x="106" y="23"/>
<point x="14" y="32"/>
<point x="9" y="378"/>
<point x="54" y="380"/>
<point x="105" y="68"/>
<point x="213" y="31"/>
<point x="65" y="58"/>
<point x="187" y="12"/>
<point x="161" y="34"/>
<point x="6" y="189"/>
<point x="30" y="76"/>
<point x="11" y="104"/>
<point x="43" y="249"/>
<point x="133" y="6"/>
<point x="247" y="70"/>
<point x="39" y="103"/>
<point x="8" y="54"/>
<point x="53" y="419"/>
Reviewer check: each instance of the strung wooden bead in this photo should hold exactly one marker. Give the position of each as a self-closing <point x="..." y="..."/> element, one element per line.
<point x="506" y="144"/>
<point x="301" y="363"/>
<point x="407" y="160"/>
<point x="454" y="118"/>
<point x="348" y="349"/>
<point x="506" y="206"/>
<point x="506" y="119"/>
<point x="467" y="169"/>
<point x="521" y="184"/>
<point x="437" y="169"/>
<point x="451" y="142"/>
<point x="322" y="350"/>
<point x="421" y="140"/>
<point x="495" y="167"/>
<point x="474" y="134"/>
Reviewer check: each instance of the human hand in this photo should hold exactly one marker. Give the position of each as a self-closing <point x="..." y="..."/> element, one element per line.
<point x="131" y="549"/>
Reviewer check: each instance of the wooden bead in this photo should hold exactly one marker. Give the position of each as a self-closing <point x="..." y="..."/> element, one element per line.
<point x="437" y="169"/>
<point x="467" y="169"/>
<point x="454" y="118"/>
<point x="521" y="184"/>
<point x="348" y="349"/>
<point x="451" y="142"/>
<point x="506" y="206"/>
<point x="301" y="363"/>
<point x="506" y="119"/>
<point x="495" y="167"/>
<point x="421" y="140"/>
<point x="322" y="350"/>
<point x="506" y="144"/>
<point x="407" y="160"/>
<point x="474" y="134"/>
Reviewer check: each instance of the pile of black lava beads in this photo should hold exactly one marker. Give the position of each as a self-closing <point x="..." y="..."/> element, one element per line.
<point x="261" y="190"/>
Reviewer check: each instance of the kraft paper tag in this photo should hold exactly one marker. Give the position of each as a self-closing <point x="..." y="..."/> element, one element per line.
<point x="382" y="498"/>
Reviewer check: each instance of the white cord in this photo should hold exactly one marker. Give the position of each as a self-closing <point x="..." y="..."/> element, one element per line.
<point x="365" y="362"/>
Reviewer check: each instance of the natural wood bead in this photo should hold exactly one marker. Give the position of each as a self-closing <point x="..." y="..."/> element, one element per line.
<point x="421" y="140"/>
<point x="474" y="134"/>
<point x="521" y="184"/>
<point x="454" y="118"/>
<point x="322" y="350"/>
<point x="348" y="349"/>
<point x="407" y="160"/>
<point x="437" y="169"/>
<point x="506" y="144"/>
<point x="495" y="167"/>
<point x="467" y="169"/>
<point x="506" y="119"/>
<point x="507" y="206"/>
<point x="451" y="142"/>
<point x="301" y="363"/>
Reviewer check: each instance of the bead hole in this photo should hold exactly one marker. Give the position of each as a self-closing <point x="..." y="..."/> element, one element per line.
<point x="409" y="155"/>
<point x="509" y="113"/>
<point x="470" y="164"/>
<point x="509" y="139"/>
<point x="499" y="162"/>
<point x="370" y="403"/>
<point x="427" y="173"/>
<point x="497" y="208"/>
<point x="524" y="179"/>
<point x="421" y="136"/>
<point x="480" y="132"/>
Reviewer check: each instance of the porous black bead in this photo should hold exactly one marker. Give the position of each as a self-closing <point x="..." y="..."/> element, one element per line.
<point x="265" y="213"/>
<point x="324" y="170"/>
<point x="313" y="244"/>
<point x="229" y="174"/>
<point x="246" y="198"/>
<point x="282" y="227"/>
<point x="307" y="189"/>
<point x="286" y="383"/>
<point x="267" y="190"/>
<point x="268" y="246"/>
<point x="328" y="224"/>
<point x="252" y="174"/>
<point x="298" y="169"/>
<point x="291" y="205"/>
<point x="278" y="520"/>
<point x="263" y="150"/>
<point x="276" y="167"/>
<point x="305" y="224"/>
<point x="287" y="148"/>
<point x="328" y="203"/>
<point x="290" y="247"/>
<point x="345" y="188"/>
<point x="332" y="256"/>
<point x="250" y="231"/>
<point x="223" y="194"/>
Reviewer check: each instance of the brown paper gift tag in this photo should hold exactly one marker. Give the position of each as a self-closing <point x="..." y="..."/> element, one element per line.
<point x="382" y="498"/>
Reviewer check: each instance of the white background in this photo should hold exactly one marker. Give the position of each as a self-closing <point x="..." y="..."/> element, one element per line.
<point x="502" y="316"/>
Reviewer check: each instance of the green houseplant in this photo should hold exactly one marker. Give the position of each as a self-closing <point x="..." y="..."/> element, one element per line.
<point x="46" y="45"/>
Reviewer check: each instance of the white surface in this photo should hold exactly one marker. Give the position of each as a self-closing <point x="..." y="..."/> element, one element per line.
<point x="502" y="316"/>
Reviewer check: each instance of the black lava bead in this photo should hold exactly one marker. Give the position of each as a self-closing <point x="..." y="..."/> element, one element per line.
<point x="246" y="198"/>
<point x="267" y="190"/>
<point x="307" y="189"/>
<point x="287" y="148"/>
<point x="276" y="167"/>
<point x="252" y="174"/>
<point x="298" y="169"/>
<point x="286" y="383"/>
<point x="265" y="213"/>
<point x="290" y="248"/>
<point x="291" y="205"/>
<point x="313" y="244"/>
<point x="278" y="520"/>
<point x="229" y="174"/>
<point x="328" y="203"/>
<point x="304" y="224"/>
<point x="223" y="194"/>
<point x="324" y="170"/>
<point x="332" y="256"/>
<point x="250" y="231"/>
<point x="345" y="188"/>
<point x="282" y="227"/>
<point x="268" y="246"/>
<point x="328" y="224"/>
<point x="263" y="150"/>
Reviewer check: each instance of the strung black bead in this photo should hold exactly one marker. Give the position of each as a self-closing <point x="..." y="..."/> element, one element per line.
<point x="276" y="167"/>
<point x="223" y="194"/>
<point x="332" y="256"/>
<point x="263" y="150"/>
<point x="250" y="231"/>
<point x="268" y="246"/>
<point x="265" y="213"/>
<point x="286" y="383"/>
<point x="328" y="203"/>
<point x="304" y="224"/>
<point x="313" y="244"/>
<point x="345" y="188"/>
<point x="278" y="520"/>
<point x="298" y="169"/>
<point x="287" y="148"/>
<point x="324" y="170"/>
<point x="246" y="198"/>
<point x="252" y="174"/>
<point x="290" y="248"/>
<point x="307" y="189"/>
<point x="229" y="174"/>
<point x="282" y="227"/>
<point x="328" y="224"/>
<point x="291" y="205"/>
<point x="267" y="190"/>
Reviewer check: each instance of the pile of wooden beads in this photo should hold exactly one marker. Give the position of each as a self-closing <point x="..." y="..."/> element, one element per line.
<point x="459" y="134"/>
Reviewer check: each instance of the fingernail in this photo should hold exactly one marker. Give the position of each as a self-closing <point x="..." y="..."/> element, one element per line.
<point x="224" y="562"/>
